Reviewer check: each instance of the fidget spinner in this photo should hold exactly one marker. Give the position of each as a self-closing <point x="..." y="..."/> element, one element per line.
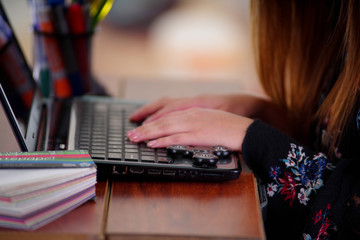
<point x="201" y="156"/>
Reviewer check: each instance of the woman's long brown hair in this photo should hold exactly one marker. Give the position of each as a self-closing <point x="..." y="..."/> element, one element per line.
<point x="301" y="48"/>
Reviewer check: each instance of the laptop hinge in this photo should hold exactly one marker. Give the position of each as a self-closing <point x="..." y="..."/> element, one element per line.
<point x="43" y="130"/>
<point x="59" y="124"/>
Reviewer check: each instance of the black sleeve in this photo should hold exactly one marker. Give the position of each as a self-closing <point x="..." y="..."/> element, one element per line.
<point x="292" y="174"/>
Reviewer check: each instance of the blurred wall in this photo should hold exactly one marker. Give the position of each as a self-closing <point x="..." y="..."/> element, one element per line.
<point x="19" y="15"/>
<point x="183" y="40"/>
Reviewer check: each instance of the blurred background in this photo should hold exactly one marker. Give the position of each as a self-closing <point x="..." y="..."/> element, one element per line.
<point x="177" y="41"/>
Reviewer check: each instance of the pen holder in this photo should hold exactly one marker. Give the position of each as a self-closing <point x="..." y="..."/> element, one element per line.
<point x="62" y="64"/>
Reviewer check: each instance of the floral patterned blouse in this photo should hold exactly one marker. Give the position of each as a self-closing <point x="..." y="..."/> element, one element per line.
<point x="308" y="196"/>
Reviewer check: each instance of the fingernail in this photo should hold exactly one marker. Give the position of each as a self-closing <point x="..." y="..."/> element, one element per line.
<point x="133" y="136"/>
<point x="130" y="133"/>
<point x="152" y="144"/>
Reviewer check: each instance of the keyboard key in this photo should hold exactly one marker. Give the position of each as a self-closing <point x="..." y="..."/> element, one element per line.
<point x="99" y="147"/>
<point x="148" y="158"/>
<point x="128" y="146"/>
<point x="131" y="156"/>
<point x="162" y="154"/>
<point x="116" y="156"/>
<point x="131" y="150"/>
<point x="113" y="146"/>
<point x="115" y="143"/>
<point x="115" y="150"/>
<point x="97" y="156"/>
<point x="115" y="138"/>
<point x="161" y="150"/>
<point x="148" y="153"/>
<point x="98" y="151"/>
<point x="83" y="144"/>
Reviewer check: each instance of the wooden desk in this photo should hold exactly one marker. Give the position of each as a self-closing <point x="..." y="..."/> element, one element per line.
<point x="183" y="210"/>
<point x="159" y="210"/>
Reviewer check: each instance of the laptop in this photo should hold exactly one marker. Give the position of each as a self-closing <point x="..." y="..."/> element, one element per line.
<point x="97" y="124"/>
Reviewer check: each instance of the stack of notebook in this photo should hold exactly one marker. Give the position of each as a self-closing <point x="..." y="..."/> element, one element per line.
<point x="38" y="187"/>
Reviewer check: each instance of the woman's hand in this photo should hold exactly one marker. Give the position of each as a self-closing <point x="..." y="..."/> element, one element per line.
<point x="245" y="105"/>
<point x="193" y="126"/>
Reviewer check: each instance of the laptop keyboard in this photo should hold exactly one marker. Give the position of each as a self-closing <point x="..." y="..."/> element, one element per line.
<point x="101" y="128"/>
<point x="102" y="131"/>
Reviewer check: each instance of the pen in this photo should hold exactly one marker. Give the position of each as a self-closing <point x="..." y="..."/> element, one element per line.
<point x="41" y="68"/>
<point x="61" y="27"/>
<point x="77" y="27"/>
<point x="98" y="10"/>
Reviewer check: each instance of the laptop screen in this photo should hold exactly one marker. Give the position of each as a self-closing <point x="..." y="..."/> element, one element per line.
<point x="17" y="84"/>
